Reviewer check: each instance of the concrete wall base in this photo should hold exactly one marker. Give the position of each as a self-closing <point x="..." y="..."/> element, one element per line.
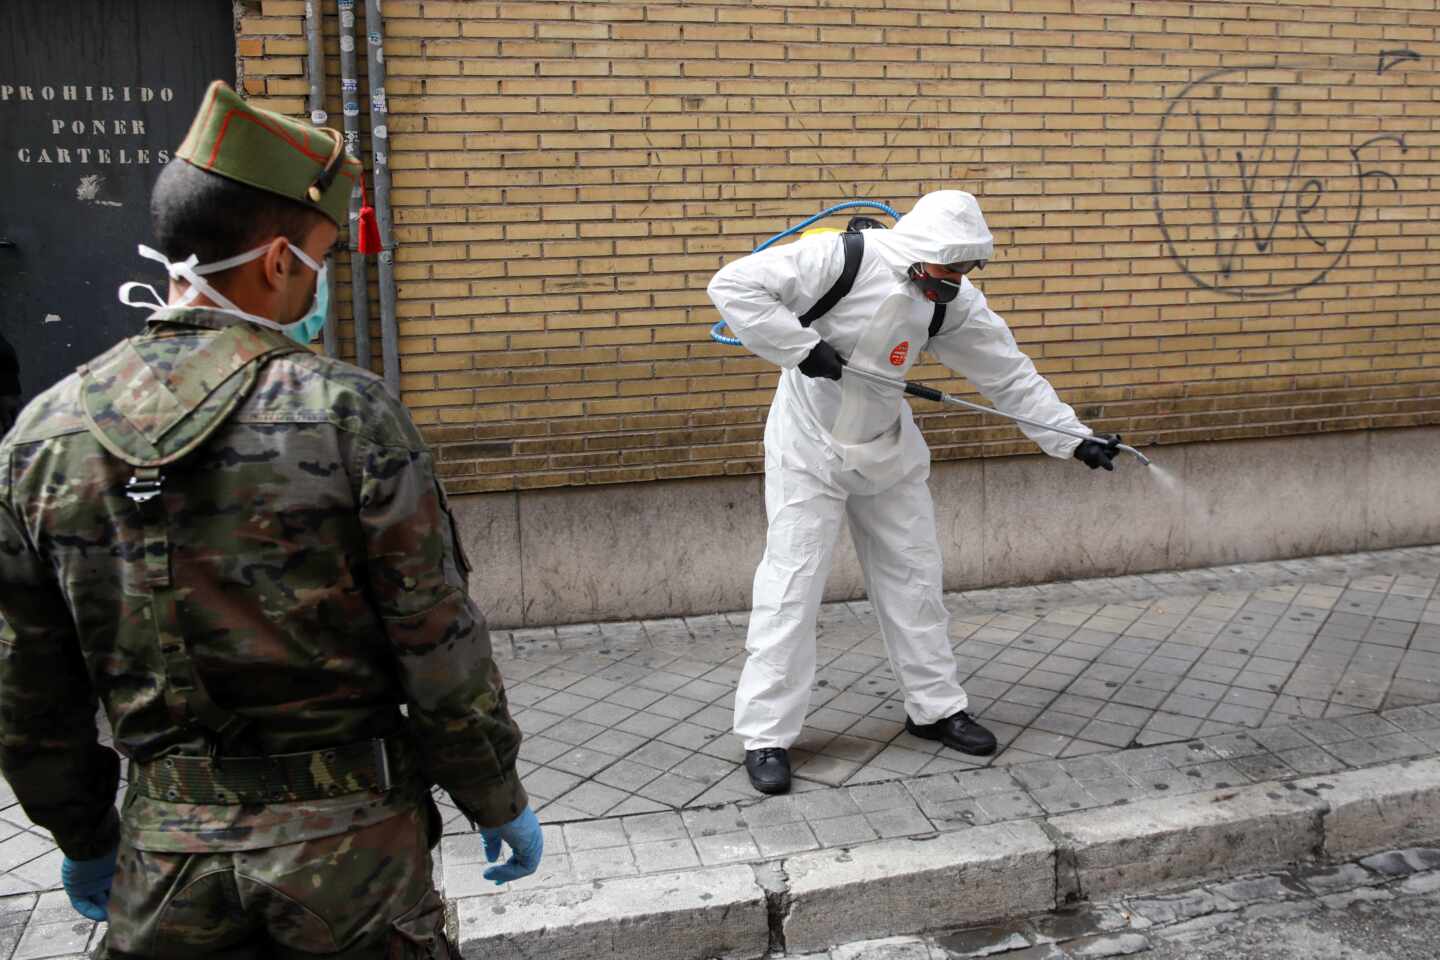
<point x="675" y="548"/>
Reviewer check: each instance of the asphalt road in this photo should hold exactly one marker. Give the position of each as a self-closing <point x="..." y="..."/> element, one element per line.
<point x="1406" y="928"/>
<point x="1371" y="910"/>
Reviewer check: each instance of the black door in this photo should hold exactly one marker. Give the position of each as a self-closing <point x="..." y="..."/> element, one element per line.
<point x="95" y="95"/>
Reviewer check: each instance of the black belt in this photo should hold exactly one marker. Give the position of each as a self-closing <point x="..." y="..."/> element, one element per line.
<point x="371" y="765"/>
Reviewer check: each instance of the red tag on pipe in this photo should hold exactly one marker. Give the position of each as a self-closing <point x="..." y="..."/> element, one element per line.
<point x="368" y="243"/>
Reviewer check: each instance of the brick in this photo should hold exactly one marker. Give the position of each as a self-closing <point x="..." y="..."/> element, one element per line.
<point x="567" y="177"/>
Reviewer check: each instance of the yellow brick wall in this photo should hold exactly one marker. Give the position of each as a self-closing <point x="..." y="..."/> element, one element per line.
<point x="1213" y="220"/>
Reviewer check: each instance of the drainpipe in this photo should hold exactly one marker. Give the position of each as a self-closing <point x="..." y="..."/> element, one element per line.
<point x="380" y="157"/>
<point x="315" y="73"/>
<point x="350" y="100"/>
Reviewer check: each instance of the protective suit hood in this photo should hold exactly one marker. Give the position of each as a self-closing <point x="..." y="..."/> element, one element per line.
<point x="943" y="227"/>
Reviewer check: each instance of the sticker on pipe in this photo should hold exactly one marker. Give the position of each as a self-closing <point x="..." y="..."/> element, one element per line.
<point x="898" y="355"/>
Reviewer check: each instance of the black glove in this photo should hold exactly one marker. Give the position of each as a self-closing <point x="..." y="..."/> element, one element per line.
<point x="1100" y="451"/>
<point x="822" y="361"/>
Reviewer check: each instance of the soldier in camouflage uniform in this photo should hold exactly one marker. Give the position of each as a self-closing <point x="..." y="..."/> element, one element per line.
<point x="240" y="550"/>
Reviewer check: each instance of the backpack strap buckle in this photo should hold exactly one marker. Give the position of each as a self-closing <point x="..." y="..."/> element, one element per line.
<point x="144" y="485"/>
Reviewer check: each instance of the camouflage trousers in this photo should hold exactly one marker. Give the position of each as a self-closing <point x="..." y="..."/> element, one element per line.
<point x="364" y="894"/>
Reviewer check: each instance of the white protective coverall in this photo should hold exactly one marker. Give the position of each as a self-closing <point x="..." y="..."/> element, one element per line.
<point x="851" y="448"/>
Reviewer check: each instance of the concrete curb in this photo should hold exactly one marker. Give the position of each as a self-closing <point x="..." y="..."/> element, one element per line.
<point x="718" y="911"/>
<point x="1159" y="843"/>
<point x="819" y="899"/>
<point x="1363" y="816"/>
<point x="988" y="873"/>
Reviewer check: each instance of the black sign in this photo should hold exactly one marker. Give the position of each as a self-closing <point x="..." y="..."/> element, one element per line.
<point x="95" y="95"/>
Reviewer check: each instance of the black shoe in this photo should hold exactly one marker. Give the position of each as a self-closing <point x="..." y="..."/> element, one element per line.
<point x="769" y="769"/>
<point x="958" y="732"/>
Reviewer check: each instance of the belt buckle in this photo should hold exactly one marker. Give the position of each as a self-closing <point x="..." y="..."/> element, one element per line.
<point x="382" y="766"/>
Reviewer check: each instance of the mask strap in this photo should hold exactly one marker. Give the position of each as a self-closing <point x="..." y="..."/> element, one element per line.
<point x="304" y="257"/>
<point x="198" y="285"/>
<point x="227" y="263"/>
<point x="185" y="270"/>
<point x="154" y="302"/>
<point x="189" y="271"/>
<point x="174" y="270"/>
<point x="192" y="272"/>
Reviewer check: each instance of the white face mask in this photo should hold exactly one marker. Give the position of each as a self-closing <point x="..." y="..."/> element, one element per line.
<point x="189" y="270"/>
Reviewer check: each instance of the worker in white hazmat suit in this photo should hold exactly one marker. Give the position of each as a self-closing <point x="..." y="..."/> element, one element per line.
<point x="843" y="447"/>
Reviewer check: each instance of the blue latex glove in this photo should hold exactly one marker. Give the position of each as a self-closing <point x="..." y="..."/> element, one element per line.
<point x="526" y="841"/>
<point x="87" y="882"/>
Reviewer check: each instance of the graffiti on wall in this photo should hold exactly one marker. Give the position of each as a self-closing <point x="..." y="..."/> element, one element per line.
<point x="1257" y="196"/>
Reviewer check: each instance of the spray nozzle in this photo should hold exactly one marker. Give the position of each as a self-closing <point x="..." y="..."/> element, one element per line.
<point x="1144" y="460"/>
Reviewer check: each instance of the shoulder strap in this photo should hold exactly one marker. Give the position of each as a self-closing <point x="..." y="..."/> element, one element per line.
<point x="152" y="413"/>
<point x="854" y="252"/>
<point x="937" y="319"/>
<point x="155" y="409"/>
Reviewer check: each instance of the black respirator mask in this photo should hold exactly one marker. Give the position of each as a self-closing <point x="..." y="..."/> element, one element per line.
<point x="936" y="291"/>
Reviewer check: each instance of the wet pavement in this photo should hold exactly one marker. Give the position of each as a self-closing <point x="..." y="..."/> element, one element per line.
<point x="626" y="718"/>
<point x="1382" y="907"/>
<point x="1100" y="692"/>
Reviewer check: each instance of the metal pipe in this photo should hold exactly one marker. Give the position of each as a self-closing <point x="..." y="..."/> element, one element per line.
<point x="380" y="158"/>
<point x="315" y="73"/>
<point x="930" y="393"/>
<point x="350" y="106"/>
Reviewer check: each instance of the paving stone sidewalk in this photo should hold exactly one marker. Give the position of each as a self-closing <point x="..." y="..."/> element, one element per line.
<point x="628" y="718"/>
<point x="760" y="829"/>
<point x="1101" y="692"/>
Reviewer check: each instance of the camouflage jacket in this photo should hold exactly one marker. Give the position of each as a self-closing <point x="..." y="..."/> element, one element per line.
<point x="320" y="586"/>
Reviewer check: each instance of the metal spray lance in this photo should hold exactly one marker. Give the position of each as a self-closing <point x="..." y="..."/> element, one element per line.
<point x="930" y="393"/>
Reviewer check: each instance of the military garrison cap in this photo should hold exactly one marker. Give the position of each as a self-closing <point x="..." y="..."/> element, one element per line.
<point x="271" y="152"/>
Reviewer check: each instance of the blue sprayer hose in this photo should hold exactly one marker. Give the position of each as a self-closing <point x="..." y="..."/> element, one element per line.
<point x="715" y="333"/>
